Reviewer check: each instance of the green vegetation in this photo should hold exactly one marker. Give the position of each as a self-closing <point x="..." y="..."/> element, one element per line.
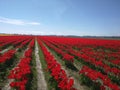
<point x="32" y="83"/>
<point x="51" y="83"/>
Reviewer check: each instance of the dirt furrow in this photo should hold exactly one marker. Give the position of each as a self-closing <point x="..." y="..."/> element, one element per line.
<point x="41" y="83"/>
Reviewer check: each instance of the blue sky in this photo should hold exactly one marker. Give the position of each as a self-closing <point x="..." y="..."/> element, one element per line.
<point x="60" y="17"/>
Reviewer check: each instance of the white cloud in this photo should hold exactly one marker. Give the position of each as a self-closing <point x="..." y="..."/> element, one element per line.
<point x="34" y="23"/>
<point x="17" y="21"/>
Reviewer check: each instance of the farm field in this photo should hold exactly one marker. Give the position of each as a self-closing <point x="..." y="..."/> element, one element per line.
<point x="59" y="63"/>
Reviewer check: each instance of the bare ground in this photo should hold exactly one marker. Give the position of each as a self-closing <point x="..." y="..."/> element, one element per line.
<point x="41" y="83"/>
<point x="5" y="50"/>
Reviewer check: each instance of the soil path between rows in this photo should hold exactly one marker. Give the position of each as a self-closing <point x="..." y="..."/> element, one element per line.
<point x="41" y="83"/>
<point x="5" y="50"/>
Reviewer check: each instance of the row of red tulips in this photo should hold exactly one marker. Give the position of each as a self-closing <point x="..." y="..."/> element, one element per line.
<point x="64" y="82"/>
<point x="12" y="40"/>
<point x="78" y="42"/>
<point x="99" y="77"/>
<point x="88" y="45"/>
<point x="65" y="56"/>
<point x="20" y="72"/>
<point x="86" y="57"/>
<point x="24" y="43"/>
<point x="7" y="56"/>
<point x="60" y="47"/>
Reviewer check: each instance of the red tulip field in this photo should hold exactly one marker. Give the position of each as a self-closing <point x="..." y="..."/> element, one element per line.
<point x="59" y="63"/>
